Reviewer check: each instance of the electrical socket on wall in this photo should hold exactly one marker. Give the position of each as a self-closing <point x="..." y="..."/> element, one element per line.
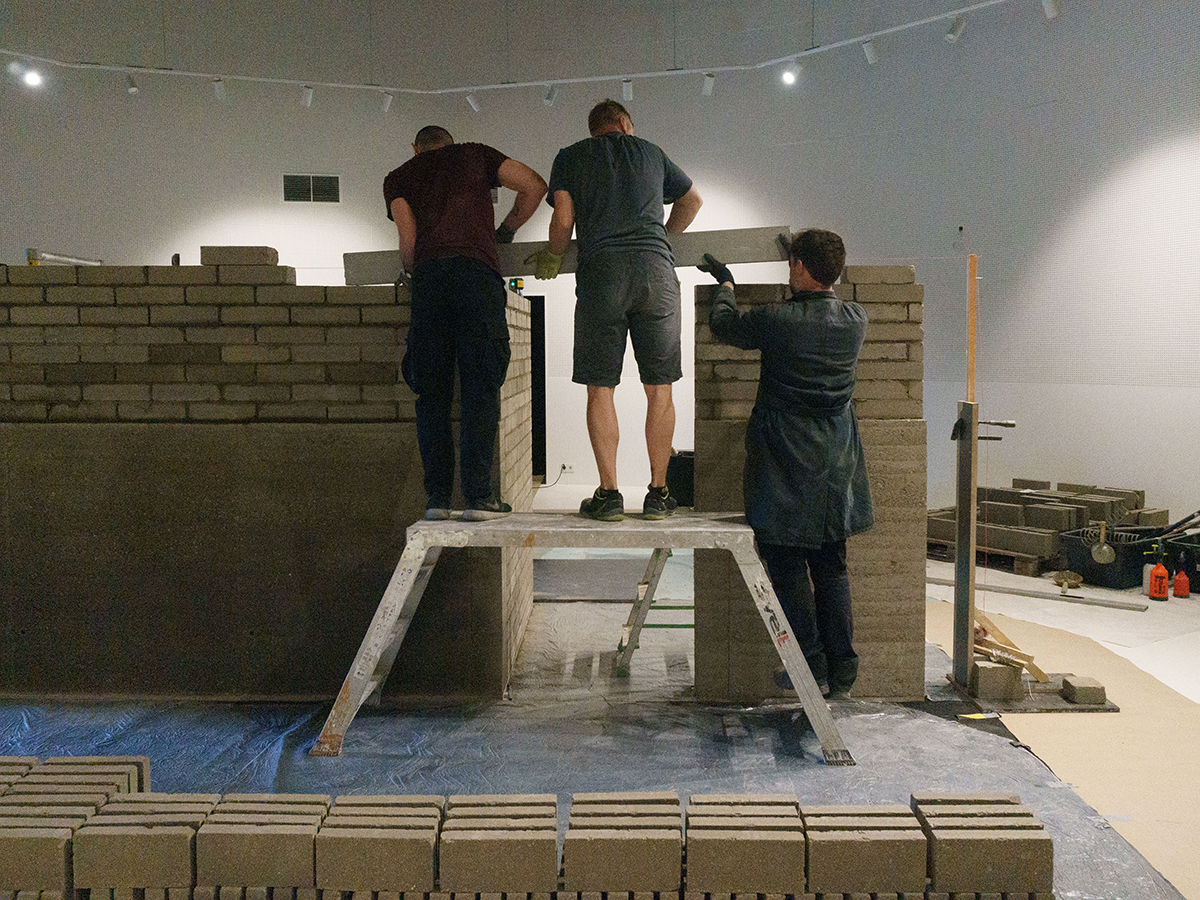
<point x="568" y="468"/>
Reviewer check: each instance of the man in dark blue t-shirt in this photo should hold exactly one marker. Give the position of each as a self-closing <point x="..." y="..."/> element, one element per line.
<point x="611" y="188"/>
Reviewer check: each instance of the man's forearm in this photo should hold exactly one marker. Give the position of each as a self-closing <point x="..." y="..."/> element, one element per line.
<point x="683" y="212"/>
<point x="723" y="319"/>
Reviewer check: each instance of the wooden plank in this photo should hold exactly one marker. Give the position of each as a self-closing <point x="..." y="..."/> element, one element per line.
<point x="734" y="245"/>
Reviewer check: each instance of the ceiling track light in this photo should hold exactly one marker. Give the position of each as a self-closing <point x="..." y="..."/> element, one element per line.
<point x="33" y="78"/>
<point x="1050" y="8"/>
<point x="386" y="103"/>
<point x="131" y="85"/>
<point x="306" y="96"/>
<point x="626" y="90"/>
<point x="551" y="95"/>
<point x="710" y="81"/>
<point x="869" y="52"/>
<point x="219" y="88"/>
<point x="956" y="29"/>
<point x="474" y="103"/>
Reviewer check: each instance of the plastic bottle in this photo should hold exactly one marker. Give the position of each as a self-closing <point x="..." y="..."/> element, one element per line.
<point x="1182" y="587"/>
<point x="1158" y="581"/>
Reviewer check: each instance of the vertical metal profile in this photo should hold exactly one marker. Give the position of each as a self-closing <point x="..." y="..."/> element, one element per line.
<point x="967" y="431"/>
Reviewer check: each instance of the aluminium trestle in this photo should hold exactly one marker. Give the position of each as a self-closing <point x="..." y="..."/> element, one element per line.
<point x="693" y="531"/>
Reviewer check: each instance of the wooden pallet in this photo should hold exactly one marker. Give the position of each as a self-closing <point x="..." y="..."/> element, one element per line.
<point x="1017" y="563"/>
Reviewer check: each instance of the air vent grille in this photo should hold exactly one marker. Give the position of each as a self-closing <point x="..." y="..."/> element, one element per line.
<point x="311" y="188"/>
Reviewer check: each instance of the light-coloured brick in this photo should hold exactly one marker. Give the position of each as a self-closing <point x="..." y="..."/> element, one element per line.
<point x="45" y="316"/>
<point x="254" y="315"/>
<point x="71" y="295"/>
<point x="36" y="859"/>
<point x="361" y="296"/>
<point x="22" y="296"/>
<point x="185" y="275"/>
<point x="251" y="275"/>
<point x="293" y="295"/>
<point x="160" y="295"/>
<point x="133" y="856"/>
<point x="42" y="275"/>
<point x="120" y="315"/>
<point x="111" y="274"/>
<point x="219" y="334"/>
<point x="213" y="255"/>
<point x="361" y="335"/>
<point x="376" y="859"/>
<point x="291" y="334"/>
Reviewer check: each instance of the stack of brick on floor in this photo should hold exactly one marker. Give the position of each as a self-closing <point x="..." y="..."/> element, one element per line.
<point x="379" y="845"/>
<point x="744" y="844"/>
<point x="1025" y="523"/>
<point x="88" y="828"/>
<point x="501" y="843"/>
<point x="43" y="808"/>
<point x="987" y="844"/>
<point x="619" y="842"/>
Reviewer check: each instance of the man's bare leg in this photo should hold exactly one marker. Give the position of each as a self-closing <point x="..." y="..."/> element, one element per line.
<point x="605" y="433"/>
<point x="660" y="430"/>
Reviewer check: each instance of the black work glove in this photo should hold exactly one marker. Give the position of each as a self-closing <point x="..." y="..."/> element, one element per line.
<point x="504" y="234"/>
<point x="716" y="269"/>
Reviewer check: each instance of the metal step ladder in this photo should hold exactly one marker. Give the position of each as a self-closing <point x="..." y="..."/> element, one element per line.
<point x="390" y="623"/>
<point x="641" y="609"/>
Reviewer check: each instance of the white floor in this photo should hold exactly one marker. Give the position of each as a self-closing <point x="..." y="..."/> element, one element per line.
<point x="1163" y="641"/>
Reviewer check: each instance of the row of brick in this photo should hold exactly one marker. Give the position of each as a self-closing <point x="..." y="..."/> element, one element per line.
<point x="70" y="825"/>
<point x="218" y="265"/>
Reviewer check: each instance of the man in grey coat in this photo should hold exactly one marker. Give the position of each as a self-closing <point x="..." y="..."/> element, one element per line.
<point x="805" y="483"/>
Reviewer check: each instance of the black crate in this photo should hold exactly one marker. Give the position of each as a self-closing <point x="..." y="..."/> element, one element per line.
<point x="1134" y="547"/>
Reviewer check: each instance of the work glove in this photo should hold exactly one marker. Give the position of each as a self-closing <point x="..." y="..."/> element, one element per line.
<point x="504" y="234"/>
<point x="716" y="269"/>
<point x="546" y="263"/>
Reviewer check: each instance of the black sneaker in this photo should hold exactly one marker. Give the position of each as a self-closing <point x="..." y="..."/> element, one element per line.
<point x="437" y="509"/>
<point x="482" y="510"/>
<point x="606" y="506"/>
<point x="784" y="681"/>
<point x="658" y="503"/>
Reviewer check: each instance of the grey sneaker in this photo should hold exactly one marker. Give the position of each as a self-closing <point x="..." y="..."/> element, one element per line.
<point x="658" y="503"/>
<point x="604" y="505"/>
<point x="437" y="509"/>
<point x="482" y="510"/>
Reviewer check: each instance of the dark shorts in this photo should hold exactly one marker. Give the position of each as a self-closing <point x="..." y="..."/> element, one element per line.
<point x="627" y="292"/>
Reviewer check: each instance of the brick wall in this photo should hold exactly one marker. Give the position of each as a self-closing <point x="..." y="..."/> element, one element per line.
<point x="734" y="659"/>
<point x="182" y="443"/>
<point x="197" y="344"/>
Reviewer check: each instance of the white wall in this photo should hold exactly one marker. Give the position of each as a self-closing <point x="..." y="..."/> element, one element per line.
<point x="1068" y="152"/>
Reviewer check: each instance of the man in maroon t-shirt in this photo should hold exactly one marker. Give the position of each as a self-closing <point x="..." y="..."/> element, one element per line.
<point x="441" y="202"/>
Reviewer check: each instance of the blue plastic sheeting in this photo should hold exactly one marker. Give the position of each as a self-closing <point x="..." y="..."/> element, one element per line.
<point x="570" y="725"/>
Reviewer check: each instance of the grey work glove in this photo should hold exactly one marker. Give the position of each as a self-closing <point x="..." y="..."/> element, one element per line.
<point x="504" y="234"/>
<point x="716" y="269"/>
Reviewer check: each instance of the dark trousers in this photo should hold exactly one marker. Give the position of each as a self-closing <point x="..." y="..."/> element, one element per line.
<point x="818" y="610"/>
<point x="458" y="322"/>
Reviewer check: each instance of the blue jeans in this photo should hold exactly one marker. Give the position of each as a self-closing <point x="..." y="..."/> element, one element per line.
<point x="458" y="322"/>
<point x="819" y="612"/>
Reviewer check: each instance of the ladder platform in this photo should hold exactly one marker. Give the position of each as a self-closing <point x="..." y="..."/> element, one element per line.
<point x="694" y="531"/>
<point x="683" y="531"/>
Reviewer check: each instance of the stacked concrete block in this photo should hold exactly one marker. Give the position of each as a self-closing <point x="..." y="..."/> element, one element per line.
<point x="141" y="842"/>
<point x="624" y="841"/>
<point x="384" y="844"/>
<point x="254" y="845"/>
<point x="745" y="844"/>
<point x="12" y="768"/>
<point x="985" y="844"/>
<point x="874" y="850"/>
<point x="734" y="659"/>
<point x="499" y="843"/>
<point x="42" y="810"/>
<point x="1083" y="690"/>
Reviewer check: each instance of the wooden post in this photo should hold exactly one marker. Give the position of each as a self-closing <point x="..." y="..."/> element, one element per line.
<point x="972" y="320"/>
